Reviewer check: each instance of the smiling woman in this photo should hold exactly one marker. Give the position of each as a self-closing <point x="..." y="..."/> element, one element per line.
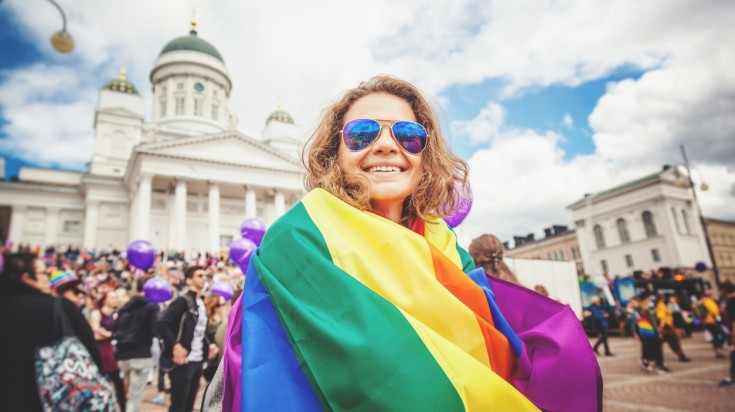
<point x="358" y="297"/>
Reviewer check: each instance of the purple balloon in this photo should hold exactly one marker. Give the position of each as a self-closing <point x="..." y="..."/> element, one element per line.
<point x="700" y="267"/>
<point x="240" y="252"/>
<point x="461" y="207"/>
<point x="253" y="229"/>
<point x="141" y="254"/>
<point x="223" y="289"/>
<point x="157" y="290"/>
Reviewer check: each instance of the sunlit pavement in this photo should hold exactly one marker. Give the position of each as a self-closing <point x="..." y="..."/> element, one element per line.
<point x="690" y="386"/>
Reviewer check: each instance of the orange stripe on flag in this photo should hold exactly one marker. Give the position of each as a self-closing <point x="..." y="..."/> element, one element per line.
<point x="502" y="360"/>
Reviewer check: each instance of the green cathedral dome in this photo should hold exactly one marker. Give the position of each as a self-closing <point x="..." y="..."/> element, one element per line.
<point x="121" y="84"/>
<point x="280" y="116"/>
<point x="192" y="42"/>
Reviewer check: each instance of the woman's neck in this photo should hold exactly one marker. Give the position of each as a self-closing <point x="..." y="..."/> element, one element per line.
<point x="390" y="210"/>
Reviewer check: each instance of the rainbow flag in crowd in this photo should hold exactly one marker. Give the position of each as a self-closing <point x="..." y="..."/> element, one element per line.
<point x="346" y="310"/>
<point x="645" y="329"/>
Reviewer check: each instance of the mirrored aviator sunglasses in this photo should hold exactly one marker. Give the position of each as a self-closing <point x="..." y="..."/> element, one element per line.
<point x="358" y="134"/>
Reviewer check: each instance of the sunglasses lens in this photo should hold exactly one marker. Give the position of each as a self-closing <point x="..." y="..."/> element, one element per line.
<point x="359" y="133"/>
<point x="410" y="135"/>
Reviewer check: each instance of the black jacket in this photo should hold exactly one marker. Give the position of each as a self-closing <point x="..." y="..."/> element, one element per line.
<point x="26" y="322"/>
<point x="167" y="327"/>
<point x="146" y="328"/>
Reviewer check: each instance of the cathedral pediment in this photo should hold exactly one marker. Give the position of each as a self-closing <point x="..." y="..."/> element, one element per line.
<point x="230" y="148"/>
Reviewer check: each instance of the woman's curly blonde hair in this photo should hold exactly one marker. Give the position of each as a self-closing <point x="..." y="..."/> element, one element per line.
<point x="444" y="175"/>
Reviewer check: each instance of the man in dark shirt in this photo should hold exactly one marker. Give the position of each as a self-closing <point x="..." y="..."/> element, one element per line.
<point x="134" y="332"/>
<point x="27" y="322"/>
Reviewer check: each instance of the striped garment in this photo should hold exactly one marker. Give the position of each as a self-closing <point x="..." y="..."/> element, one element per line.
<point x="345" y="310"/>
<point x="646" y="329"/>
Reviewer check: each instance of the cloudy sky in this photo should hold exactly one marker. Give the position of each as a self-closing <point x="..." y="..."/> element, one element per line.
<point x="546" y="100"/>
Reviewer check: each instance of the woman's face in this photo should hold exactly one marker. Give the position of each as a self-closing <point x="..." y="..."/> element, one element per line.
<point x="393" y="174"/>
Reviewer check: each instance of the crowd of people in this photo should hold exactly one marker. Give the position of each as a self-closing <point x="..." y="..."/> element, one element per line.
<point x="658" y="319"/>
<point x="132" y="341"/>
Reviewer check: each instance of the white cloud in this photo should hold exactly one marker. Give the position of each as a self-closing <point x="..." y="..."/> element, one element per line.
<point x="567" y="121"/>
<point x="484" y="126"/>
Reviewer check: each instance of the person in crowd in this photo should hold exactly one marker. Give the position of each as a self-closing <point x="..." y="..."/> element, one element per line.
<point x="666" y="322"/>
<point x="633" y="316"/>
<point x="649" y="332"/>
<point x="215" y="305"/>
<point x="713" y="324"/>
<point x="680" y="324"/>
<point x="102" y="321"/>
<point x="600" y="324"/>
<point x="487" y="252"/>
<point x="363" y="273"/>
<point x="182" y="327"/>
<point x="541" y="289"/>
<point x="133" y="332"/>
<point x="728" y="289"/>
<point x="67" y="284"/>
<point x="28" y="323"/>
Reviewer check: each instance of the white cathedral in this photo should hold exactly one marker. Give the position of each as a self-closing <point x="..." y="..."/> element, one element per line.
<point x="184" y="181"/>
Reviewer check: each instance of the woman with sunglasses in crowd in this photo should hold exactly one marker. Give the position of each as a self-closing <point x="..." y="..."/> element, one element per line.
<point x="358" y="296"/>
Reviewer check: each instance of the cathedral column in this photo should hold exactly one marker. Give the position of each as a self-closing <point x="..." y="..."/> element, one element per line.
<point x="17" y="223"/>
<point x="179" y="240"/>
<point x="90" y="223"/>
<point x="250" y="202"/>
<point x="280" y="203"/>
<point x="214" y="222"/>
<point x="52" y="226"/>
<point x="143" y="216"/>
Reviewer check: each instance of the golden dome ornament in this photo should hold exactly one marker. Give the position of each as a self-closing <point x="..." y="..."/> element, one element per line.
<point x="62" y="41"/>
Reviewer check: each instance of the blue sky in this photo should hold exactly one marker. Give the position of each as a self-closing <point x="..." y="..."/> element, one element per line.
<point x="545" y="100"/>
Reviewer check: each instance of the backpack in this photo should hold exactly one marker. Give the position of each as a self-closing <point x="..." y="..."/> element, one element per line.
<point x="127" y="330"/>
<point x="67" y="377"/>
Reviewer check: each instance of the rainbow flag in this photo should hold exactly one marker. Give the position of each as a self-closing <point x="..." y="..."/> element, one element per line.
<point x="345" y="310"/>
<point x="645" y="329"/>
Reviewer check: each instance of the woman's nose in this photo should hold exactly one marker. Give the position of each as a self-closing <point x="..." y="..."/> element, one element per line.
<point x="385" y="143"/>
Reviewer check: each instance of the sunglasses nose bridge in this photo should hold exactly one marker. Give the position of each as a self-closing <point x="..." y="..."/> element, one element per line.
<point x="385" y="140"/>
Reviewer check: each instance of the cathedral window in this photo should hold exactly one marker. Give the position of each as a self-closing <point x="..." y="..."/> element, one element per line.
<point x="685" y="218"/>
<point x="180" y="86"/>
<point x="215" y="111"/>
<point x="623" y="231"/>
<point x="163" y="108"/>
<point x="599" y="237"/>
<point x="648" y="224"/>
<point x="198" y="107"/>
<point x="179" y="105"/>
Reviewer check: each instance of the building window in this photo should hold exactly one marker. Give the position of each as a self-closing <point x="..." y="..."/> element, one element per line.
<point x="603" y="263"/>
<point x="215" y="111"/>
<point x="685" y="219"/>
<point x="575" y="253"/>
<point x="224" y="241"/>
<point x="214" y="94"/>
<point x="180" y="86"/>
<point x="198" y="107"/>
<point x="629" y="261"/>
<point x="72" y="226"/>
<point x="655" y="255"/>
<point x="599" y="237"/>
<point x="676" y="219"/>
<point x="164" y="90"/>
<point x="551" y="256"/>
<point x="648" y="224"/>
<point x="562" y="255"/>
<point x="163" y="108"/>
<point x="623" y="231"/>
<point x="179" y="105"/>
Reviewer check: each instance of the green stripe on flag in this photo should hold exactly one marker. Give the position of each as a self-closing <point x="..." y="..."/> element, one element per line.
<point x="356" y="349"/>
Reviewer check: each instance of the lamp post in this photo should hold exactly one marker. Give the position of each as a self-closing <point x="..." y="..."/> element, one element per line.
<point x="690" y="184"/>
<point x="62" y="40"/>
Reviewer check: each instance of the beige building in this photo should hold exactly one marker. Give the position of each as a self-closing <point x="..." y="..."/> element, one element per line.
<point x="559" y="243"/>
<point x="722" y="238"/>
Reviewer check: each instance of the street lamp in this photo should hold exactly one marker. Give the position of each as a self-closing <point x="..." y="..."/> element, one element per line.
<point x="62" y="40"/>
<point x="686" y="181"/>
